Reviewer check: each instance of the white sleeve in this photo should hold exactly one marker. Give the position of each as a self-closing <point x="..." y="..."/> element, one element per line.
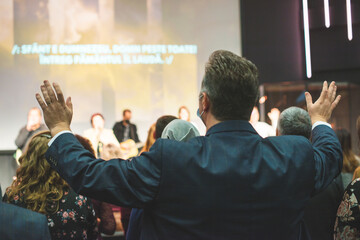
<point x="57" y="135"/>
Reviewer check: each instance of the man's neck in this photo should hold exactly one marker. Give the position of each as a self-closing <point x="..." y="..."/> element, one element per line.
<point x="211" y="121"/>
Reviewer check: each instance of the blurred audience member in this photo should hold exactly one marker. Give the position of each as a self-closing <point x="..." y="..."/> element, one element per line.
<point x="262" y="128"/>
<point x="103" y="211"/>
<point x="178" y="130"/>
<point x="98" y="135"/>
<point x="184" y="113"/>
<point x="39" y="188"/>
<point x="294" y="121"/>
<point x="350" y="161"/>
<point x="121" y="214"/>
<point x="20" y="223"/>
<point x="150" y="138"/>
<point x="34" y="124"/>
<point x="320" y="211"/>
<point x="347" y="224"/>
<point x="161" y="123"/>
<point x="274" y="115"/>
<point x="124" y="129"/>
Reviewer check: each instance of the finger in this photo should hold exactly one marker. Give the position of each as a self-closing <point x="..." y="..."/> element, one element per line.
<point x="324" y="91"/>
<point x="40" y="101"/>
<point x="335" y="103"/>
<point x="50" y="91"/>
<point x="59" y="93"/>
<point x="331" y="91"/>
<point x="308" y="99"/>
<point x="333" y="94"/>
<point x="45" y="94"/>
<point x="69" y="104"/>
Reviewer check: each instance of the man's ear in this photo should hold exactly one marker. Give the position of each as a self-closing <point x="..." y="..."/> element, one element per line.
<point x="205" y="102"/>
<point x="154" y="134"/>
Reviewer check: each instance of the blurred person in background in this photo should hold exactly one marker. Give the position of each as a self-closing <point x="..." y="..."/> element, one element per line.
<point x="103" y="211"/>
<point x="41" y="189"/>
<point x="124" y="129"/>
<point x="98" y="134"/>
<point x="347" y="224"/>
<point x="150" y="139"/>
<point x="34" y="124"/>
<point x="262" y="128"/>
<point x="350" y="160"/>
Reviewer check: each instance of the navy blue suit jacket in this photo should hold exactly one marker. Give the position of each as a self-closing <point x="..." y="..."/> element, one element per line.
<point x="230" y="184"/>
<point x="21" y="223"/>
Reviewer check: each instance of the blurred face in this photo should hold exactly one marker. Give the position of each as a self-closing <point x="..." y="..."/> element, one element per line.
<point x="98" y="122"/>
<point x="184" y="115"/>
<point x="254" y="118"/>
<point x="127" y="116"/>
<point x="34" y="116"/>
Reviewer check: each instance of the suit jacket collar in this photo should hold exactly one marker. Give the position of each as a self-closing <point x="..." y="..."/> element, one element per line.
<point x="231" y="126"/>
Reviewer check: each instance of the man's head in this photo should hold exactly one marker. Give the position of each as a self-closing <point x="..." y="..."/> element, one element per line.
<point x="161" y="123"/>
<point x="34" y="115"/>
<point x="184" y="113"/>
<point x="294" y="121"/>
<point x="126" y="115"/>
<point x="229" y="88"/>
<point x="97" y="121"/>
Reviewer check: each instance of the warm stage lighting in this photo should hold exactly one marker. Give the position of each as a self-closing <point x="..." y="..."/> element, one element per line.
<point x="327" y="13"/>
<point x="349" y="20"/>
<point x="262" y="99"/>
<point x="307" y="39"/>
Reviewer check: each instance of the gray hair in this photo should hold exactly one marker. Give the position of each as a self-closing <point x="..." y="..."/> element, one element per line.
<point x="231" y="83"/>
<point x="180" y="130"/>
<point x="295" y="121"/>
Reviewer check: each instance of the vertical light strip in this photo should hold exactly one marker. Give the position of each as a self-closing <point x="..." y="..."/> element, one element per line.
<point x="307" y="38"/>
<point x="327" y="13"/>
<point x="349" y="20"/>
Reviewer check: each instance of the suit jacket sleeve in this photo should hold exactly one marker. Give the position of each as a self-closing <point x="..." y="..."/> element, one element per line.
<point x="125" y="183"/>
<point x="327" y="155"/>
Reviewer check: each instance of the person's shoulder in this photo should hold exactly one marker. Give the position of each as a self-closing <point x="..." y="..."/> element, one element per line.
<point x="289" y="140"/>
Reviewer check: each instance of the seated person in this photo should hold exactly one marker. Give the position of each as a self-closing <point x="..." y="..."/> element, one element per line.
<point x="178" y="130"/>
<point x="41" y="189"/>
<point x="98" y="135"/>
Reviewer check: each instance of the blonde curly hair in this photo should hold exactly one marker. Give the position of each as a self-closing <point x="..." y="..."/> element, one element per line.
<point x="37" y="185"/>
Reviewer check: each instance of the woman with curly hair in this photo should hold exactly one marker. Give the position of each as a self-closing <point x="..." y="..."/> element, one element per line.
<point x="41" y="189"/>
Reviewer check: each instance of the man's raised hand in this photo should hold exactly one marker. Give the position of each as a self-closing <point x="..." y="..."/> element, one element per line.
<point x="57" y="112"/>
<point x="322" y="109"/>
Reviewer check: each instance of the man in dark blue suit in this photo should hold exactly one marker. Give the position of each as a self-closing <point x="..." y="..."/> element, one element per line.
<point x="21" y="223"/>
<point x="230" y="184"/>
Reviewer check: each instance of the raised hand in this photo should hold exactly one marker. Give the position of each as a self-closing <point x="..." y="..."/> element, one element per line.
<point x="322" y="109"/>
<point x="57" y="112"/>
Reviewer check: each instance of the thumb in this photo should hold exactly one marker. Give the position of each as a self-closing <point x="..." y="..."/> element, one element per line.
<point x="308" y="99"/>
<point x="69" y="103"/>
